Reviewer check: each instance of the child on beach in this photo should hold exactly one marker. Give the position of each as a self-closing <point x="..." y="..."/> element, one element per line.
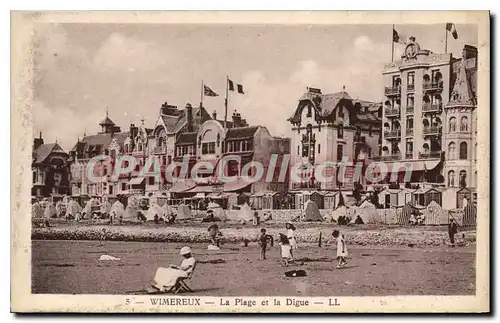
<point x="286" y="249"/>
<point x="341" y="248"/>
<point x="263" y="239"/>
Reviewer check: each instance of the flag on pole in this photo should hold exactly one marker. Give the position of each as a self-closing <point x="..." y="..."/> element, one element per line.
<point x="208" y="91"/>
<point x="230" y="85"/>
<point x="452" y="29"/>
<point x="397" y="37"/>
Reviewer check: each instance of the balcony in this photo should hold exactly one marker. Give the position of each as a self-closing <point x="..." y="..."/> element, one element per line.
<point x="432" y="107"/>
<point x="359" y="140"/>
<point x="392" y="134"/>
<point x="433" y="86"/>
<point x="391" y="112"/>
<point x="306" y="185"/>
<point x="394" y="90"/>
<point x="410" y="109"/>
<point x="411" y="87"/>
<point x="429" y="154"/>
<point x="409" y="155"/>
<point x="432" y="131"/>
<point x="390" y="157"/>
<point x="409" y="131"/>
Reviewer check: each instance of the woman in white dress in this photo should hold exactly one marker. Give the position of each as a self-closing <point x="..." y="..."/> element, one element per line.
<point x="341" y="248"/>
<point x="166" y="278"/>
<point x="290" y="234"/>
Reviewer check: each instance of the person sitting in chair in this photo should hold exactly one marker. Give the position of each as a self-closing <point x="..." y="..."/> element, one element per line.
<point x="171" y="279"/>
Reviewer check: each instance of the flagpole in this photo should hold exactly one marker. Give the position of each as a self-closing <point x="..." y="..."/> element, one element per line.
<point x="225" y="102"/>
<point x="445" y="40"/>
<point x="202" y="93"/>
<point x="392" y="44"/>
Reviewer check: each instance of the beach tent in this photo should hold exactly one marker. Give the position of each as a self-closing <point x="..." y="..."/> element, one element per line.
<point x="73" y="208"/>
<point x="404" y="213"/>
<point x="470" y="215"/>
<point x="60" y="208"/>
<point x="312" y="212"/>
<point x="368" y="213"/>
<point x="183" y="212"/>
<point x="435" y="215"/>
<point x="132" y="208"/>
<point x="153" y="210"/>
<point x="37" y="210"/>
<point x="342" y="210"/>
<point x="117" y="210"/>
<point x="245" y="213"/>
<point x="217" y="210"/>
<point x="50" y="211"/>
<point x="105" y="207"/>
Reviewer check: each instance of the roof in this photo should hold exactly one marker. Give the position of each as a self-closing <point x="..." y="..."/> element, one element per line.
<point x="100" y="141"/>
<point x="330" y="101"/>
<point x="44" y="151"/>
<point x="186" y="138"/>
<point x="174" y="123"/>
<point x="241" y="132"/>
<point x="107" y="121"/>
<point x="464" y="80"/>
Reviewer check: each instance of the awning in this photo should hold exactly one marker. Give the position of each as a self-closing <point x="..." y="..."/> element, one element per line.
<point x="421" y="190"/>
<point x="200" y="189"/>
<point x="414" y="166"/>
<point x="236" y="185"/>
<point x="182" y="186"/>
<point x="136" y="181"/>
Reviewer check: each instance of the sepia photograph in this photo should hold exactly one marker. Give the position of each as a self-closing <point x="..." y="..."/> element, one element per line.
<point x="256" y="164"/>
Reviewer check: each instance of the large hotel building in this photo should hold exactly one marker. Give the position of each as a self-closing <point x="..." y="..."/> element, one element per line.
<point x="429" y="116"/>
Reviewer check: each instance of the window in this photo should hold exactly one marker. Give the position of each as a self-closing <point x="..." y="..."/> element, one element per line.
<point x="409" y="123"/>
<point x="436" y="76"/>
<point x="410" y="101"/>
<point x="340" y="131"/>
<point x="124" y="186"/>
<point x="463" y="178"/>
<point x="475" y="179"/>
<point x="151" y="180"/>
<point x="451" y="151"/>
<point x="340" y="152"/>
<point x="452" y="125"/>
<point x="298" y="150"/>
<point x="464" y="124"/>
<point x="309" y="111"/>
<point x="409" y="147"/>
<point x="139" y="147"/>
<point x="370" y="130"/>
<point x="169" y="159"/>
<point x="396" y="81"/>
<point x="411" y="80"/>
<point x="451" y="178"/>
<point x="126" y="148"/>
<point x="305" y="150"/>
<point x="463" y="150"/>
<point x="319" y="148"/>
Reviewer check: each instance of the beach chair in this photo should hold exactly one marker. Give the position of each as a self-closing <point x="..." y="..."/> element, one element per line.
<point x="180" y="286"/>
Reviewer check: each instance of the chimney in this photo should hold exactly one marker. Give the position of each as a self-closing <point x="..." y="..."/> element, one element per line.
<point x="37" y="142"/>
<point x="167" y="109"/>
<point x="469" y="52"/>
<point x="189" y="117"/>
<point x="214" y="115"/>
<point x="236" y="119"/>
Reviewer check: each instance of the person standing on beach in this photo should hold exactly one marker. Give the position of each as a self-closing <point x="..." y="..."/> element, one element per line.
<point x="290" y="234"/>
<point x="263" y="239"/>
<point x="452" y="230"/>
<point x="341" y="248"/>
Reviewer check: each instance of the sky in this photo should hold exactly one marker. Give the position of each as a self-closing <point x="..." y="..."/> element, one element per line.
<point x="82" y="70"/>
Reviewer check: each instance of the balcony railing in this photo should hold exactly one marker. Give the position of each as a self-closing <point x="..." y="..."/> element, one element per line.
<point x="429" y="154"/>
<point x="394" y="90"/>
<point x="392" y="134"/>
<point x="410" y="109"/>
<point x="409" y="155"/>
<point x="409" y="131"/>
<point x="389" y="157"/>
<point x="411" y="87"/>
<point x="392" y="112"/>
<point x="432" y="130"/>
<point x="306" y="185"/>
<point x="431" y="107"/>
<point x="433" y="86"/>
